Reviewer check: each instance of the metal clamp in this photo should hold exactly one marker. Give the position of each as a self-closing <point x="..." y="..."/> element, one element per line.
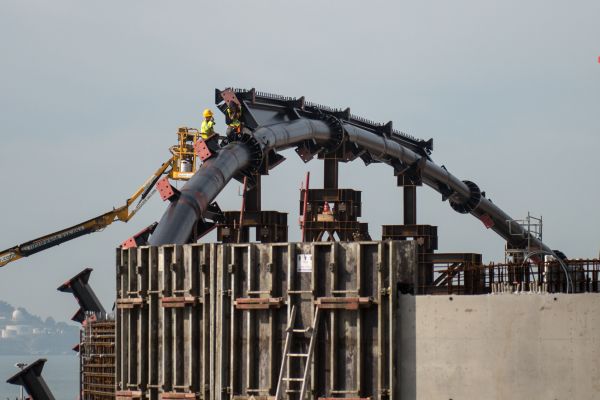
<point x="178" y="302"/>
<point x="343" y="303"/>
<point x="258" y="303"/>
<point x="130" y="303"/>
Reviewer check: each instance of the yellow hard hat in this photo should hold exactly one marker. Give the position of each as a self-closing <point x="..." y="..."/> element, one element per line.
<point x="207" y="113"/>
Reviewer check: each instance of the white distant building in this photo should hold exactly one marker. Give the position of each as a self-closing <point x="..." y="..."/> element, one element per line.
<point x="18" y="327"/>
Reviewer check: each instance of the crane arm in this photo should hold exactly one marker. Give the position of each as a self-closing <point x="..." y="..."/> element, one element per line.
<point x="100" y="222"/>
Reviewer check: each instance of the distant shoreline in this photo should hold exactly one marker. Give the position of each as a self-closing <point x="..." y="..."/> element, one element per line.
<point x="66" y="353"/>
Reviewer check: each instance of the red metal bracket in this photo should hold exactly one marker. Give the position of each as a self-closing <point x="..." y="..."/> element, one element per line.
<point x="201" y="149"/>
<point x="140" y="238"/>
<point x="130" y="303"/>
<point x="343" y="303"/>
<point x="487" y="220"/>
<point x="166" y="190"/>
<point x="91" y="319"/>
<point x="228" y="95"/>
<point x="258" y="303"/>
<point x="127" y="395"/>
<point x="173" y="396"/>
<point x="344" y="398"/>
<point x="129" y="243"/>
<point x="177" y="302"/>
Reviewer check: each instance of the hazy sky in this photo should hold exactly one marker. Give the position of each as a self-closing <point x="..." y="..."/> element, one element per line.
<point x="92" y="93"/>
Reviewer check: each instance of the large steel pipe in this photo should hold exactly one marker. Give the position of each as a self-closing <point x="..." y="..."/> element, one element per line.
<point x="177" y="223"/>
<point x="384" y="150"/>
<point x="285" y="135"/>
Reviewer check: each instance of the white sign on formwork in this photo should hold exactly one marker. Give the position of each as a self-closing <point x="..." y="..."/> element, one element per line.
<point x="304" y="263"/>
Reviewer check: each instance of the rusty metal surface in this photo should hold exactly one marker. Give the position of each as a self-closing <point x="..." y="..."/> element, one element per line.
<point x="97" y="355"/>
<point x="228" y="342"/>
<point x="163" y="315"/>
<point x="464" y="273"/>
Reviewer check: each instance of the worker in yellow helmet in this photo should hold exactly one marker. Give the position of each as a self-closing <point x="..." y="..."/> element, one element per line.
<point x="208" y="124"/>
<point x="232" y="117"/>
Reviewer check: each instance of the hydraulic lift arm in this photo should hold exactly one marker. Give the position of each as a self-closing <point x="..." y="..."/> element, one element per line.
<point x="122" y="213"/>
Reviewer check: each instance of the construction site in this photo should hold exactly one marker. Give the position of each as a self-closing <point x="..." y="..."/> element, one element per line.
<point x="337" y="315"/>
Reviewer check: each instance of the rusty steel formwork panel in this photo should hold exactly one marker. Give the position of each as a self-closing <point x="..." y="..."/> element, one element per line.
<point x="210" y="322"/>
<point x="97" y="354"/>
<point x="163" y="316"/>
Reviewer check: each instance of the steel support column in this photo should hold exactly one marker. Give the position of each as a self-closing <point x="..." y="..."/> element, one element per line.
<point x="410" y="205"/>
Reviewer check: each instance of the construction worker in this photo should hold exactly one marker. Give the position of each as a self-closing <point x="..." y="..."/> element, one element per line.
<point x="232" y="117"/>
<point x="208" y="124"/>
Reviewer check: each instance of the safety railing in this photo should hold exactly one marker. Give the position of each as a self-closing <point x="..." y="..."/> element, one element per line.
<point x="579" y="276"/>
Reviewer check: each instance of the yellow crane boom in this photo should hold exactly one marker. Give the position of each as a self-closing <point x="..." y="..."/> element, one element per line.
<point x="122" y="213"/>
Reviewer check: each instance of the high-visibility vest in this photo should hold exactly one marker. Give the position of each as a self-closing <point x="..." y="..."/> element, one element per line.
<point x="233" y="119"/>
<point x="207" y="128"/>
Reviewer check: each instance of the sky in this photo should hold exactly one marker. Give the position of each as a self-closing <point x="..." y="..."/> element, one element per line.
<point x="92" y="94"/>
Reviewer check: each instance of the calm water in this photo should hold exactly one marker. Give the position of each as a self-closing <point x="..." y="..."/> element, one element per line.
<point x="60" y="374"/>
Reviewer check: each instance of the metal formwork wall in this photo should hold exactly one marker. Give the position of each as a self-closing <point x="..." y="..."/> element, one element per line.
<point x="211" y="321"/>
<point x="163" y="316"/>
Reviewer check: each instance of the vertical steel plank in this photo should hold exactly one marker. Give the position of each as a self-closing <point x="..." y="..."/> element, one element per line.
<point x="380" y="324"/>
<point x="359" y="258"/>
<point x="233" y="276"/>
<point x="249" y="317"/>
<point x="120" y="348"/>
<point x="142" y="278"/>
<point x="153" y="324"/>
<point x="313" y="287"/>
<point x="272" y="268"/>
<point x="334" y="366"/>
<point x="394" y="267"/>
<point x="215" y="350"/>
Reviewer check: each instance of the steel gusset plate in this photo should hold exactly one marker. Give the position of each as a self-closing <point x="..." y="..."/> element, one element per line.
<point x="366" y="157"/>
<point x="307" y="150"/>
<point x="256" y="153"/>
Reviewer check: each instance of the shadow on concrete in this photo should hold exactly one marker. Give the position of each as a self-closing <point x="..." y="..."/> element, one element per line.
<point x="406" y="385"/>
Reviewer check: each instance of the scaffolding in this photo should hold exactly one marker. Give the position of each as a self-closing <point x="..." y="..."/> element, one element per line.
<point x="97" y="357"/>
<point x="471" y="277"/>
<point x="532" y="227"/>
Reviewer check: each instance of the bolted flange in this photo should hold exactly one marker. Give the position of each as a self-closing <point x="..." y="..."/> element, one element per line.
<point x="469" y="204"/>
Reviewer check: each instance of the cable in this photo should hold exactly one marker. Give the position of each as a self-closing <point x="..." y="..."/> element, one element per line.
<point x="560" y="261"/>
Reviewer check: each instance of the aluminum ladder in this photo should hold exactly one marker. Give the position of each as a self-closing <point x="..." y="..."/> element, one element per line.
<point x="290" y="331"/>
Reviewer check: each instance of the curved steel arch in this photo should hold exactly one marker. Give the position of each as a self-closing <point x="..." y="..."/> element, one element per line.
<point x="276" y="123"/>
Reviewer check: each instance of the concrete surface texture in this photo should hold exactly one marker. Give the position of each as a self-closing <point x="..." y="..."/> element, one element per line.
<point x="500" y="347"/>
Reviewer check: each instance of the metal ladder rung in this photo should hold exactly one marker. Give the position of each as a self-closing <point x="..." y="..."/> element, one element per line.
<point x="285" y="378"/>
<point x="306" y="330"/>
<point x="297" y="355"/>
<point x="292" y="391"/>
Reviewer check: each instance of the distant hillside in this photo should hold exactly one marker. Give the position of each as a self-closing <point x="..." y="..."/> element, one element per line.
<point x="22" y="333"/>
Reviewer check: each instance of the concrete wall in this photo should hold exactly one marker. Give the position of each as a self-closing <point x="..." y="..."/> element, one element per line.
<point x="500" y="347"/>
